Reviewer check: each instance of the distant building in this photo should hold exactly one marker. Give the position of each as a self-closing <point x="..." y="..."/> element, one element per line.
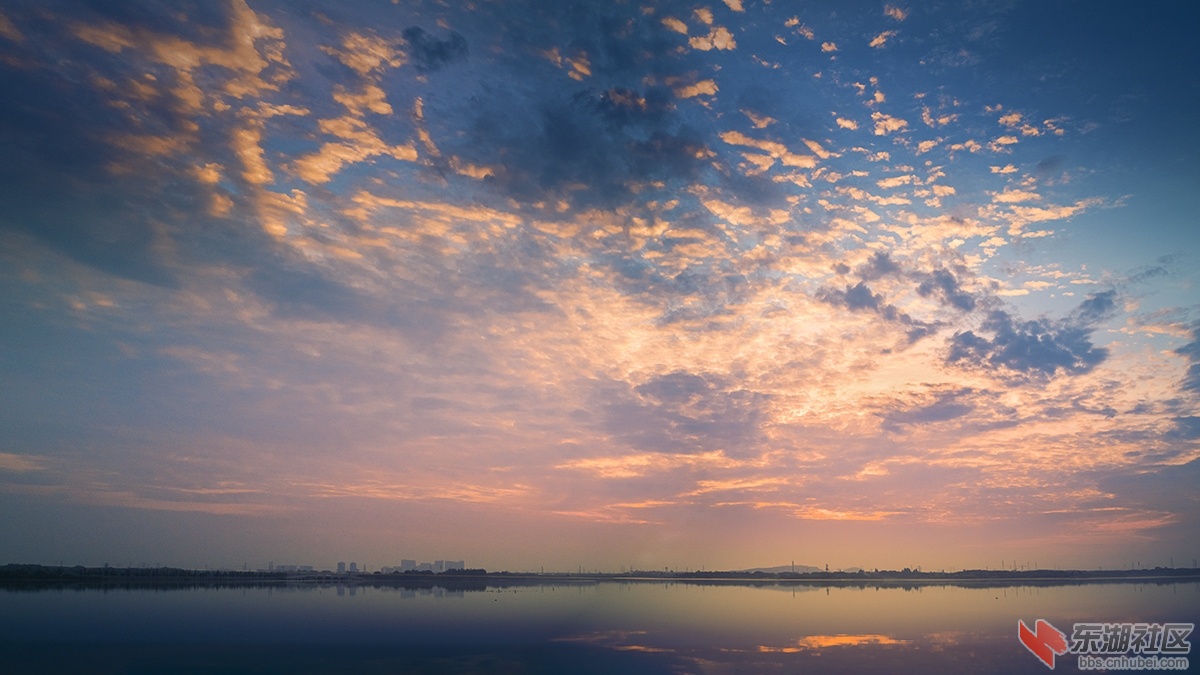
<point x="341" y="568"/>
<point x="437" y="567"/>
<point x="353" y="568"/>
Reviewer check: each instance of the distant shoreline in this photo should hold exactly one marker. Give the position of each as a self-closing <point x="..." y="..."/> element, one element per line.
<point x="26" y="575"/>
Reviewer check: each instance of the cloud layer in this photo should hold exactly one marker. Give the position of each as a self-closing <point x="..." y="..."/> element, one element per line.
<point x="624" y="278"/>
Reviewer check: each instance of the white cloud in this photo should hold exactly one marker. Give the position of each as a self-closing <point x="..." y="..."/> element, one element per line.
<point x="718" y="38"/>
<point x="701" y="88"/>
<point x="886" y="124"/>
<point x="881" y="39"/>
<point x="675" y="24"/>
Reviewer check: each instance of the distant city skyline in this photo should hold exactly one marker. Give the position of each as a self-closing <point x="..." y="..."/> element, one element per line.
<point x="573" y="285"/>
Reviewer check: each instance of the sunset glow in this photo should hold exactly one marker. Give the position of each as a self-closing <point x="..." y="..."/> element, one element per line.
<point x="600" y="285"/>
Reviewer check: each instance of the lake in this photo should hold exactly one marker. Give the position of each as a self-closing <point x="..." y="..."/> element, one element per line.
<point x="560" y="627"/>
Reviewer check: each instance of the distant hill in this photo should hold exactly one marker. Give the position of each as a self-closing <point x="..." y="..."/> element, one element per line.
<point x="784" y="569"/>
<point x="798" y="569"/>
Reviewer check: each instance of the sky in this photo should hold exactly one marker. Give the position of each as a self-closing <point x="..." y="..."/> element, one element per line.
<point x="606" y="285"/>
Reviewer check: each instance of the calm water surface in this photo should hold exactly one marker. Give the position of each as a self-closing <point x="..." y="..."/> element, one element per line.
<point x="601" y="627"/>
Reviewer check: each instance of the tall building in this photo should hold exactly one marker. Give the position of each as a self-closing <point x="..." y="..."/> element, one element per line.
<point x="341" y="568"/>
<point x="408" y="565"/>
<point x="353" y="568"/>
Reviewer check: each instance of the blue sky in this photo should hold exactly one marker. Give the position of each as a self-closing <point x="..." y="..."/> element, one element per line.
<point x="555" y="284"/>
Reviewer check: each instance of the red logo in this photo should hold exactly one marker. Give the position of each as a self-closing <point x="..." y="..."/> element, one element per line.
<point x="1045" y="643"/>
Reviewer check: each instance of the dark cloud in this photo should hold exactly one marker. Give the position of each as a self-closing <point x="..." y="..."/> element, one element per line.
<point x="685" y="412"/>
<point x="305" y="293"/>
<point x="620" y="41"/>
<point x="947" y="406"/>
<point x="1147" y="273"/>
<point x="429" y="53"/>
<point x="1186" y="428"/>
<point x="627" y="107"/>
<point x="298" y="291"/>
<point x="860" y="297"/>
<point x="879" y="265"/>
<point x="1039" y="347"/>
<point x="55" y="184"/>
<point x="1049" y="166"/>
<point x="1191" y="352"/>
<point x="1097" y="307"/>
<point x="70" y="178"/>
<point x="1171" y="488"/>
<point x="592" y="149"/>
<point x="943" y="284"/>
<point x="193" y="20"/>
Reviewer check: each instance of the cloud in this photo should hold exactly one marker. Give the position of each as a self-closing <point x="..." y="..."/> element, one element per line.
<point x="1191" y="353"/>
<point x="178" y="86"/>
<point x="799" y="28"/>
<point x="718" y="38"/>
<point x="1185" y="428"/>
<point x="1097" y="307"/>
<point x="1002" y="143"/>
<point x="593" y="148"/>
<point x="880" y="40"/>
<point x="429" y="54"/>
<point x="886" y="124"/>
<point x="896" y="181"/>
<point x="684" y="412"/>
<point x="366" y="53"/>
<point x="1015" y="196"/>
<point x="1019" y="216"/>
<point x="550" y="258"/>
<point x="879" y="265"/>
<point x="774" y="149"/>
<point x="21" y="463"/>
<point x="759" y="121"/>
<point x="1012" y="119"/>
<point x="935" y="122"/>
<point x="1039" y="347"/>
<point x="860" y="297"/>
<point x="9" y="31"/>
<point x="895" y="12"/>
<point x="829" y="47"/>
<point x="675" y="25"/>
<point x="1158" y="488"/>
<point x="925" y="146"/>
<point x="944" y="285"/>
<point x="854" y="297"/>
<point x="701" y="88"/>
<point x="946" y="406"/>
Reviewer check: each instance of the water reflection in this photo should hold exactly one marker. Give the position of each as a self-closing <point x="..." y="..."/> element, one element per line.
<point x="529" y="627"/>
